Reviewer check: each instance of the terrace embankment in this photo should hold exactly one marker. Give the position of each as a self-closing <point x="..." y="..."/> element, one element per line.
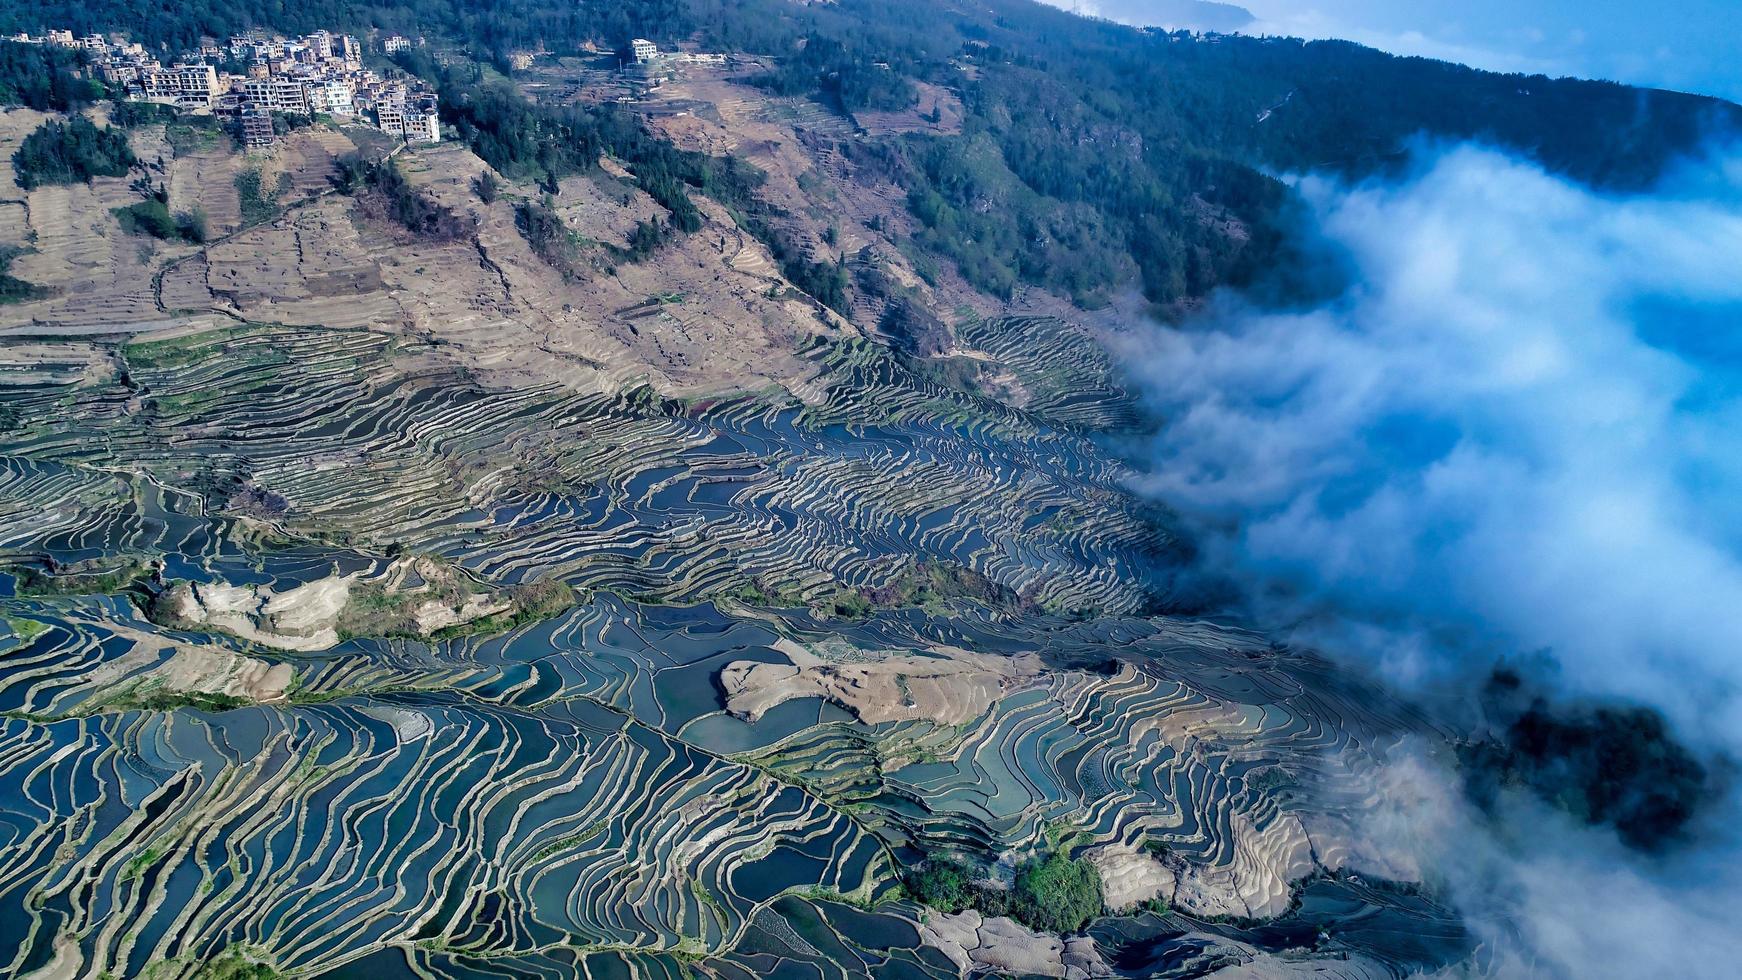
<point x="1000" y="945"/>
<point x="947" y="685"/>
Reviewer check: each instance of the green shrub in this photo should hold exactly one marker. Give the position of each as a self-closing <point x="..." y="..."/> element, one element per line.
<point x="12" y="288"/>
<point x="191" y="225"/>
<point x="128" y="114"/>
<point x="151" y="217"/>
<point x="408" y="207"/>
<point x="826" y="282"/>
<point x="192" y="134"/>
<point x="1056" y="893"/>
<point x="487" y="186"/>
<point x="646" y="239"/>
<point x="148" y="217"/>
<point x="256" y="207"/>
<point x="550" y="239"/>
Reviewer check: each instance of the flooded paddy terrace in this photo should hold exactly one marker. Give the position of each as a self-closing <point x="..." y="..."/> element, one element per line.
<point x="580" y="794"/>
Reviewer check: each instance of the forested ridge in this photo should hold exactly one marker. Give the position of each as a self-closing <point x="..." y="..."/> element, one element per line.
<point x="1092" y="155"/>
<point x="44" y="77"/>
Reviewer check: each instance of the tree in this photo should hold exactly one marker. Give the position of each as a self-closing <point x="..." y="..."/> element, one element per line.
<point x="487" y="187"/>
<point x="646" y="239"/>
<point x="944" y="884"/>
<point x="191" y="225"/>
<point x="44" y="77"/>
<point x="1057" y="893"/>
<point x="12" y="288"/>
<point x="70" y="152"/>
<point x="351" y="170"/>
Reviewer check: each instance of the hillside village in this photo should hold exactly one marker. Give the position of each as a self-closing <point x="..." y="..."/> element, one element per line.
<point x="255" y="75"/>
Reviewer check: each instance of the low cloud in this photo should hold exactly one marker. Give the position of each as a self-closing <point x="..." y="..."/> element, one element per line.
<point x="1547" y="898"/>
<point x="1516" y="432"/>
<point x="1202" y="15"/>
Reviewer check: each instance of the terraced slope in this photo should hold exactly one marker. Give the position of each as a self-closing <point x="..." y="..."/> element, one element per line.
<point x="719" y="752"/>
<point x="386" y="607"/>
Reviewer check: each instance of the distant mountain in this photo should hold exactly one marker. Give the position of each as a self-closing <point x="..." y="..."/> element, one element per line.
<point x="1200" y="15"/>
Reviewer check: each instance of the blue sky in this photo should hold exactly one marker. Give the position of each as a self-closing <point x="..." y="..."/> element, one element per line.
<point x="1690" y="45"/>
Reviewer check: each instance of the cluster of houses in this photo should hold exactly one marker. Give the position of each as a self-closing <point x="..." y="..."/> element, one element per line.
<point x="320" y="73"/>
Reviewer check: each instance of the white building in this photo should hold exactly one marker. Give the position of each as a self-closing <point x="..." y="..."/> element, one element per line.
<point x="643" y="50"/>
<point x="182" y="84"/>
<point x="423" y="126"/>
<point x="277" y="94"/>
<point x="290" y="95"/>
<point x="118" y="73"/>
<point x="338" y="97"/>
<point x="258" y="92"/>
<point x="390" y="116"/>
<point x="414" y="124"/>
<point x="394" y="42"/>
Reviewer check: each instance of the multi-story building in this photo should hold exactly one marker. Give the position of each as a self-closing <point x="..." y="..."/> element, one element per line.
<point x="390" y="116"/>
<point x="290" y="95"/>
<point x="643" y="50"/>
<point x="319" y="73"/>
<point x="257" y="129"/>
<point x="349" y="49"/>
<point x="414" y="122"/>
<point x="191" y="85"/>
<point x="338" y="97"/>
<point x="118" y="72"/>
<point x="423" y="126"/>
<point x="277" y="94"/>
<point x="258" y="92"/>
<point x="230" y="105"/>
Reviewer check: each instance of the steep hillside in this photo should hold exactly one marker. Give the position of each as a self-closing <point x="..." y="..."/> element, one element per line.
<point x="313" y="255"/>
<point x="1091" y="157"/>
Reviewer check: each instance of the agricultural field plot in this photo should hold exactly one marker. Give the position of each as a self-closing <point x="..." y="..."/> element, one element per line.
<point x="325" y="653"/>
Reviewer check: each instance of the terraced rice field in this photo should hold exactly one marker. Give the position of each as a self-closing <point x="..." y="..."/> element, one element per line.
<point x="584" y="793"/>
